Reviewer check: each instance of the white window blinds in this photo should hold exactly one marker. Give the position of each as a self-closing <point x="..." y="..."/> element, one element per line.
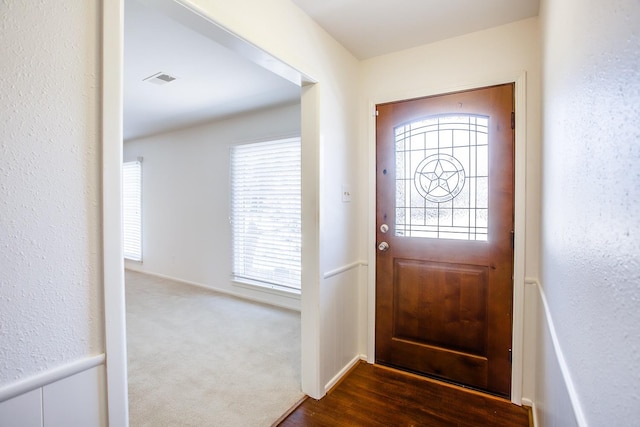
<point x="132" y="209"/>
<point x="266" y="212"/>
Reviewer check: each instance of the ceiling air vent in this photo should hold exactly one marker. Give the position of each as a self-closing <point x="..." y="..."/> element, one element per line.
<point x="159" y="78"/>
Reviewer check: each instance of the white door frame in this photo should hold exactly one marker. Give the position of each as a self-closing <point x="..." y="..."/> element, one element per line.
<point x="112" y="138"/>
<point x="112" y="249"/>
<point x="519" y="206"/>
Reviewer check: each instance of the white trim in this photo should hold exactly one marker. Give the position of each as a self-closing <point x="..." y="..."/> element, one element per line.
<point x="562" y="363"/>
<point x="520" y="211"/>
<point x="113" y="257"/>
<point x="534" y="411"/>
<point x="520" y="226"/>
<point x="42" y="379"/>
<point x="228" y="292"/>
<point x="371" y="236"/>
<point x="344" y="268"/>
<point x="310" y="300"/>
<point x="343" y="372"/>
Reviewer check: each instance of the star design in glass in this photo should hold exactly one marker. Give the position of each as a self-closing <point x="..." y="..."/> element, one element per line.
<point x="439" y="178"/>
<point x="442" y="175"/>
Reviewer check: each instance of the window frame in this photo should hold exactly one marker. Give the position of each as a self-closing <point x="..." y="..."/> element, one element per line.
<point x="254" y="218"/>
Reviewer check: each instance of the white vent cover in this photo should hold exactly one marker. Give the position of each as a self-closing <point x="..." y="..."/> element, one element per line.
<point x="159" y="78"/>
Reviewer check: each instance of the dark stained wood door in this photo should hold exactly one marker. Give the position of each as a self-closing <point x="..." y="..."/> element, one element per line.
<point x="444" y="211"/>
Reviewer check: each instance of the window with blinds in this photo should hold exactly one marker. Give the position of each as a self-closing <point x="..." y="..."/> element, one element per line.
<point x="266" y="213"/>
<point x="132" y="210"/>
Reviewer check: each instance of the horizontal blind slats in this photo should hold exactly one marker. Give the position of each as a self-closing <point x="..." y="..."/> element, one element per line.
<point x="132" y="210"/>
<point x="266" y="212"/>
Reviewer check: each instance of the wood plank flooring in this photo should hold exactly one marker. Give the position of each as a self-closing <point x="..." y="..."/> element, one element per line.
<point x="372" y="395"/>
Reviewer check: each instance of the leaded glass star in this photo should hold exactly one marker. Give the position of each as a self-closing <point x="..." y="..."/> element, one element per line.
<point x="440" y="178"/>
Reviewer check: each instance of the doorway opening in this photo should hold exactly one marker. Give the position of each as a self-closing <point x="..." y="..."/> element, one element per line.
<point x="112" y="137"/>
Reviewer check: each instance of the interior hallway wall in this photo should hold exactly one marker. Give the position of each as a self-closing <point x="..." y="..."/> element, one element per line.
<point x="186" y="198"/>
<point x="590" y="248"/>
<point x="333" y="226"/>
<point x="51" y="305"/>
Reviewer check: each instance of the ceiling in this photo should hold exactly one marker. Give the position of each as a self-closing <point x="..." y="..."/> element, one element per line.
<point x="369" y="28"/>
<point x="212" y="82"/>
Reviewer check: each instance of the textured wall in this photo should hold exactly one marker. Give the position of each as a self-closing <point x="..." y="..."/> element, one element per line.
<point x="50" y="292"/>
<point x="591" y="204"/>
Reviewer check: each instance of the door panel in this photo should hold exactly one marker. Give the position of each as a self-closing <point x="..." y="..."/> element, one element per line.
<point x="451" y="295"/>
<point x="445" y="197"/>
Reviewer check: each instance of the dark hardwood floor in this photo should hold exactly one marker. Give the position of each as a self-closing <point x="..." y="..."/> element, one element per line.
<point x="372" y="395"/>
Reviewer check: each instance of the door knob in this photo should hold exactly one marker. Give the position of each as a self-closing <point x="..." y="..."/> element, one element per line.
<point x="383" y="246"/>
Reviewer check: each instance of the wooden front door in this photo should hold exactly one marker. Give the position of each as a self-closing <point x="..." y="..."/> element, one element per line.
<point x="444" y="212"/>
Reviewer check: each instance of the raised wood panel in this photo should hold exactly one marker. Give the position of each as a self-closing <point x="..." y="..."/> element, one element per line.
<point x="441" y="305"/>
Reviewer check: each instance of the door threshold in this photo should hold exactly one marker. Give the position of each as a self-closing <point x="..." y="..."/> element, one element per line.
<point x="444" y="382"/>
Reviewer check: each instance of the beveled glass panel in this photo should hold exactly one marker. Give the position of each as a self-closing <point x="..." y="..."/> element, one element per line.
<point x="442" y="177"/>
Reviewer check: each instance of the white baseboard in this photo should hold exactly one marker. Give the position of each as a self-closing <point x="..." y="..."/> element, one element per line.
<point x="531" y="404"/>
<point x="343" y="371"/>
<point x="221" y="290"/>
<point x="47" y="377"/>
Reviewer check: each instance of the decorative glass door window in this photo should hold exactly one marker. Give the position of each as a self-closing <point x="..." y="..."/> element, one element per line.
<point x="442" y="182"/>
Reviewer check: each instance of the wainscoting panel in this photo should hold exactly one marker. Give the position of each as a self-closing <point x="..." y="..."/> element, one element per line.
<point x="74" y="395"/>
<point x="79" y="400"/>
<point x="340" y="320"/>
<point x="24" y="410"/>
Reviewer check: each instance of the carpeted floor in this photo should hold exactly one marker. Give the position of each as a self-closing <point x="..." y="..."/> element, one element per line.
<point x="200" y="358"/>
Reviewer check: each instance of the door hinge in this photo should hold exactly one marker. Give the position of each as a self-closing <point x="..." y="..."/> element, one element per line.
<point x="510" y="356"/>
<point x="513" y="120"/>
<point x="513" y="239"/>
<point x="376" y="113"/>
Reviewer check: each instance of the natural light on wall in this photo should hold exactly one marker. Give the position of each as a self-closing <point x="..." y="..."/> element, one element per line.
<point x="266" y="213"/>
<point x="132" y="209"/>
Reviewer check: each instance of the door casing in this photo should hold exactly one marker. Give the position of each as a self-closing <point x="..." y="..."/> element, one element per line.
<point x="520" y="81"/>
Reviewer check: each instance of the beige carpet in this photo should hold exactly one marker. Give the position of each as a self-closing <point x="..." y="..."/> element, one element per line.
<point x="200" y="358"/>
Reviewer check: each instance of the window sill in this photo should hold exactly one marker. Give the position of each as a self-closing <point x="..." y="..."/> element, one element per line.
<point x="267" y="288"/>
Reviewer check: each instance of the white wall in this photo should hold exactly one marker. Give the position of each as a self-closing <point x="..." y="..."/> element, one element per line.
<point x="281" y="29"/>
<point x="497" y="55"/>
<point x="50" y="190"/>
<point x="185" y="201"/>
<point x="590" y="251"/>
